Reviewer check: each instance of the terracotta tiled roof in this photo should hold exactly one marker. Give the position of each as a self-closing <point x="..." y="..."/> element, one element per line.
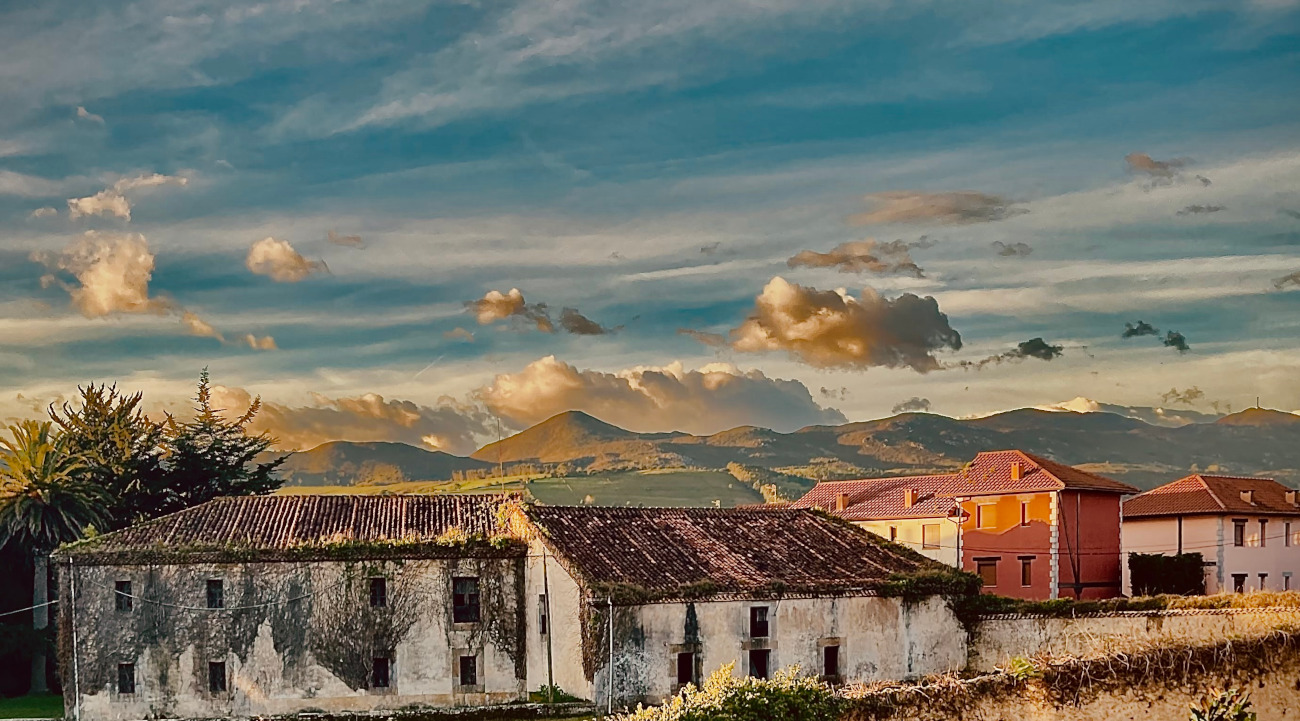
<point x="991" y="473"/>
<point x="663" y="551"/>
<point x="882" y="498"/>
<point x="1202" y="494"/>
<point x="270" y="524"/>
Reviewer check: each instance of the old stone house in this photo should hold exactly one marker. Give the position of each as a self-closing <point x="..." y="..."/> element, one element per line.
<point x="276" y="605"/>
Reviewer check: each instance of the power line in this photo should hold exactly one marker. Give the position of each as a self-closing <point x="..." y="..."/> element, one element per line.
<point x="30" y="608"/>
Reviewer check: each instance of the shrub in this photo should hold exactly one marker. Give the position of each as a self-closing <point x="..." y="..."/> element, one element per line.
<point x="724" y="697"/>
<point x="1155" y="574"/>
<point x="1230" y="705"/>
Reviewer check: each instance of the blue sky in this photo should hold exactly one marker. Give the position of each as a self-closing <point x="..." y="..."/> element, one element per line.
<point x="654" y="167"/>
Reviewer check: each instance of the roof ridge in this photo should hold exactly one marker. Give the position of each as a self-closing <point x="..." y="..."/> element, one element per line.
<point x="1210" y="491"/>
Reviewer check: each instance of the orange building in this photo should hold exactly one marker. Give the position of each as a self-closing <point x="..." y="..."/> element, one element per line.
<point x="1030" y="527"/>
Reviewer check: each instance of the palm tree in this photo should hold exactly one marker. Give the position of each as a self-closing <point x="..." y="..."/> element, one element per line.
<point x="45" y="500"/>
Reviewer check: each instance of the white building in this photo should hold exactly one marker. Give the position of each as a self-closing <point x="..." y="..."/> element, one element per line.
<point x="1246" y="529"/>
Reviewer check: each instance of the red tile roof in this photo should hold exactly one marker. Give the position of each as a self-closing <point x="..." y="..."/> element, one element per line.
<point x="1202" y="494"/>
<point x="665" y="552"/>
<point x="882" y="498"/>
<point x="990" y="474"/>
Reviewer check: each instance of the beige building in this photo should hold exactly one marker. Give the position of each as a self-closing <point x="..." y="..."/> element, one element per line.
<point x="1246" y="529"/>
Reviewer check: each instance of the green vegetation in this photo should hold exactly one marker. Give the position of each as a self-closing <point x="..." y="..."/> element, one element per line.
<point x="1230" y="705"/>
<point x="35" y="706"/>
<point x="1154" y="574"/>
<point x="552" y="694"/>
<point x="670" y="487"/>
<point x="985" y="604"/>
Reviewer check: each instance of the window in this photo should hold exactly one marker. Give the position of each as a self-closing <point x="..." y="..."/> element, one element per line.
<point x="122" y="595"/>
<point x="378" y="592"/>
<point x="1238" y="583"/>
<point x="216" y="594"/>
<point x="759" y="659"/>
<point x="1286" y="534"/>
<point x="1263" y="580"/>
<point x="380" y="672"/>
<point x="468" y="671"/>
<point x="216" y="676"/>
<point x="893" y="533"/>
<point x="543" y="623"/>
<point x="685" y="668"/>
<point x="464" y="600"/>
<point x="1026" y="572"/>
<point x="987" y="569"/>
<point x="1286" y="581"/>
<point x="986" y="515"/>
<point x="758" y="622"/>
<point x="1239" y="532"/>
<point x="1263" y="531"/>
<point x="930" y="536"/>
<point x="831" y="661"/>
<point x="126" y="678"/>
<point x="1024" y="513"/>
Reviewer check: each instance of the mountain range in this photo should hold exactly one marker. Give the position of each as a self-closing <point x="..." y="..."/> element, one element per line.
<point x="1253" y="442"/>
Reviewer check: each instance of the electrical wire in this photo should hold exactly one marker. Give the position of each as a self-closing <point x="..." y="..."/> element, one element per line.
<point x="30" y="608"/>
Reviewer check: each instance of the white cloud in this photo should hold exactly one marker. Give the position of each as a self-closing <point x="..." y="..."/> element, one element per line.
<point x="27" y="186"/>
<point x="112" y="272"/>
<point x="113" y="201"/>
<point x="46" y="212"/>
<point x="278" y="260"/>
<point x="83" y="114"/>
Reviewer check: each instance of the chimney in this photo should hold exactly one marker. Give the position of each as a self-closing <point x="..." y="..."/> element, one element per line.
<point x="841" y="501"/>
<point x="1015" y="471"/>
<point x="1248" y="496"/>
<point x="1291" y="498"/>
<point x="910" y="496"/>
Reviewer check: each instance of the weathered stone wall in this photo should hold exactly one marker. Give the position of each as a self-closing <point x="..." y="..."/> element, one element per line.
<point x="564" y="667"/>
<point x="997" y="640"/>
<point x="294" y="636"/>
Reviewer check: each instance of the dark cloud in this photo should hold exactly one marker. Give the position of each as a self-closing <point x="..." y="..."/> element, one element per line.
<point x="1205" y="182"/>
<point x="1199" y="209"/>
<point x="350" y="241"/>
<point x="1032" y="348"/>
<point x="834" y="394"/>
<point x="711" y="248"/>
<point x="1141" y="328"/>
<point x="864" y="256"/>
<point x="1290" y="213"/>
<point x="578" y="324"/>
<point x="1013" y="249"/>
<point x="828" y="330"/>
<point x="1289" y="279"/>
<point x="1174" y="339"/>
<point x="713" y="339"/>
<point x="912" y="405"/>
<point x="1186" y="397"/>
<point x="495" y="306"/>
<point x="954" y="208"/>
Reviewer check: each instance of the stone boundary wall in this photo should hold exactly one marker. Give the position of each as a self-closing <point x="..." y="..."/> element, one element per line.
<point x="998" y="639"/>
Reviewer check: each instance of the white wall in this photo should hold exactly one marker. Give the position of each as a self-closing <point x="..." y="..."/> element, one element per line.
<point x="909" y="534"/>
<point x="565" y="635"/>
<point x="1212" y="537"/>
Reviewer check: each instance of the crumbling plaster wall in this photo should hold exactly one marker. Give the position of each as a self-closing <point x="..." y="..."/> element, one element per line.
<point x="545" y="574"/>
<point x="293" y="636"/>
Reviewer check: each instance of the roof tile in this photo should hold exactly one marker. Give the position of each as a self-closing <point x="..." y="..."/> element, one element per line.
<point x="1205" y="494"/>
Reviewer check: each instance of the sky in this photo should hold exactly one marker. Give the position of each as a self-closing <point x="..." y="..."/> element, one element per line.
<point x="424" y="221"/>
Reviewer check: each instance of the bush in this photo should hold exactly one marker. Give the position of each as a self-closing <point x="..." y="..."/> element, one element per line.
<point x="1155" y="574"/>
<point x="724" y="697"/>
<point x="1229" y="705"/>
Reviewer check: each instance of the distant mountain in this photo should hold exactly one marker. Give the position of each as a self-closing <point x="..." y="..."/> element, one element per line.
<point x="344" y="463"/>
<point x="1259" y="417"/>
<point x="1172" y="417"/>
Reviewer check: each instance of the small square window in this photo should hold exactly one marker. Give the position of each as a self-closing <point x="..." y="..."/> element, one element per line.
<point x="893" y="533"/>
<point x="1286" y="581"/>
<point x="543" y="623"/>
<point x="930" y="536"/>
<point x="1238" y="583"/>
<point x="122" y="595"/>
<point x="988" y="571"/>
<point x="685" y="668"/>
<point x="759" y="660"/>
<point x="468" y="671"/>
<point x="1263" y="581"/>
<point x="1239" y="532"/>
<point x="758" y="622"/>
<point x="126" y="678"/>
<point x="465" y="600"/>
<point x="1026" y="572"/>
<point x="986" y="515"/>
<point x="831" y="662"/>
<point x="216" y="676"/>
<point x="379" y="672"/>
<point x="378" y="592"/>
<point x="216" y="593"/>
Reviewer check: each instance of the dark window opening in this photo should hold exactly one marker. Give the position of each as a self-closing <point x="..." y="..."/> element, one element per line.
<point x="122" y="595"/>
<point x="216" y="676"/>
<point x="1263" y="531"/>
<point x="831" y="661"/>
<point x="758" y="622"/>
<point x="1024" y="513"/>
<point x="758" y="662"/>
<point x="216" y="594"/>
<point x="988" y="572"/>
<point x="126" y="678"/>
<point x="1263" y="579"/>
<point x="1239" y="532"/>
<point x="893" y="533"/>
<point x="379" y="672"/>
<point x="1286" y="582"/>
<point x="1238" y="583"/>
<point x="378" y="592"/>
<point x="464" y="600"/>
<point x="685" y="668"/>
<point x="468" y="671"/>
<point x="1026" y="572"/>
<point x="543" y="623"/>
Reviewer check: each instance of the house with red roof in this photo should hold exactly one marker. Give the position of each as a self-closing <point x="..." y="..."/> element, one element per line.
<point x="1247" y="530"/>
<point x="1029" y="526"/>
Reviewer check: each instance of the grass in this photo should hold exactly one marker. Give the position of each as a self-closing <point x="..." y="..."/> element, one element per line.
<point x="673" y="488"/>
<point x="46" y="706"/>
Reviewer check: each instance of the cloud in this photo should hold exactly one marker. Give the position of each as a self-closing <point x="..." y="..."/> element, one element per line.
<point x="449" y="425"/>
<point x="1187" y="397"/>
<point x="350" y="241"/>
<point x="863" y="256"/>
<point x="459" y="334"/>
<point x="278" y="260"/>
<point x="710" y="339"/>
<point x="495" y="306"/>
<point x="831" y="329"/>
<point x="1174" y="339"/>
<point x="1289" y="279"/>
<point x="1032" y="348"/>
<point x="712" y="398"/>
<point x="1141" y="328"/>
<point x="83" y="114"/>
<point x="1290" y="213"/>
<point x="113" y="200"/>
<point x="578" y="324"/>
<point x="26" y="186"/>
<point x="197" y="326"/>
<point x="710" y="248"/>
<point x="834" y="394"/>
<point x="1199" y="209"/>
<point x="46" y="212"/>
<point x="954" y="208"/>
<point x="912" y="405"/>
<point x="265" y="342"/>
<point x="1013" y="249"/>
<point x="112" y="272"/>
<point x="1143" y="163"/>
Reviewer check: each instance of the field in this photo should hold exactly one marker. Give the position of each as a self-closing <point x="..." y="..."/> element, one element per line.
<point x="47" y="706"/>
